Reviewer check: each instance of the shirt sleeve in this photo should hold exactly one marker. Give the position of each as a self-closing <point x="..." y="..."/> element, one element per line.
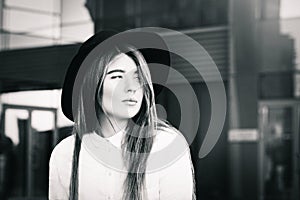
<point x="177" y="181"/>
<point x="56" y="189"/>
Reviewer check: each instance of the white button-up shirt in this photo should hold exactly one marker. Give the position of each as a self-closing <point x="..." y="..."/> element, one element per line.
<point x="102" y="177"/>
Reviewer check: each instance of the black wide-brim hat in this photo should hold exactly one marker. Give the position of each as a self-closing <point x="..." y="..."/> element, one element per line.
<point x="150" y="44"/>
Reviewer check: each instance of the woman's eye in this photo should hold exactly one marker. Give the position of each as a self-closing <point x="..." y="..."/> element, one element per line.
<point x="137" y="78"/>
<point x="115" y="77"/>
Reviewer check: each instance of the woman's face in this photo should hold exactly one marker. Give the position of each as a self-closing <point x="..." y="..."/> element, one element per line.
<point x="122" y="92"/>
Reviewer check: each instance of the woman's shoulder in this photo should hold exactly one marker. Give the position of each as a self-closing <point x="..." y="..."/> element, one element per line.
<point x="169" y="153"/>
<point x="165" y="137"/>
<point x="64" y="148"/>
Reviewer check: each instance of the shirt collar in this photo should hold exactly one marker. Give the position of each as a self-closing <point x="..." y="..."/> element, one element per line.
<point x="115" y="139"/>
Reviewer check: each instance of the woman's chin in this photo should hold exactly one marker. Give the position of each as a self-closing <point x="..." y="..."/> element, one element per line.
<point x="125" y="116"/>
<point x="129" y="115"/>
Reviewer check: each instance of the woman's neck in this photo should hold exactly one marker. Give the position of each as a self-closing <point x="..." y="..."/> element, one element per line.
<point x="111" y="126"/>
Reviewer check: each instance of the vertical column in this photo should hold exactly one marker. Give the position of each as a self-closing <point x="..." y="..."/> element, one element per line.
<point x="243" y="165"/>
<point x="55" y="131"/>
<point x="1" y="25"/>
<point x="98" y="15"/>
<point x="138" y="13"/>
<point x="110" y="14"/>
<point x="29" y="184"/>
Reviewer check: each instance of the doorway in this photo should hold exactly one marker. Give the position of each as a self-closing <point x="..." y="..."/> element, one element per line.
<point x="279" y="150"/>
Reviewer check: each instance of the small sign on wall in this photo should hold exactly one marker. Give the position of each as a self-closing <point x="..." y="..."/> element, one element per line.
<point x="243" y="135"/>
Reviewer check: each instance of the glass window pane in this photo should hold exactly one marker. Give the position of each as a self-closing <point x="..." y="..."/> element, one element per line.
<point x="289" y="9"/>
<point x="42" y="120"/>
<point x="29" y="22"/>
<point x="43" y="5"/>
<point x="34" y="23"/>
<point x="22" y="41"/>
<point x="76" y="33"/>
<point x="77" y="25"/>
<point x="290" y="27"/>
<point x="12" y="116"/>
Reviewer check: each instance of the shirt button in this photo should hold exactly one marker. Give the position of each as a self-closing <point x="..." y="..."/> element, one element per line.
<point x="108" y="198"/>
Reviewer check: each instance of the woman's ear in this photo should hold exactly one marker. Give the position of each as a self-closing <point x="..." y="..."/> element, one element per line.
<point x="98" y="95"/>
<point x="98" y="102"/>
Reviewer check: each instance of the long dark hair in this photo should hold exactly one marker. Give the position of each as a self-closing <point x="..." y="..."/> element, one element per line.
<point x="136" y="145"/>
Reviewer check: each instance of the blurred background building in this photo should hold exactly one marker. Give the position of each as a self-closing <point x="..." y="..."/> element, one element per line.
<point x="255" y="45"/>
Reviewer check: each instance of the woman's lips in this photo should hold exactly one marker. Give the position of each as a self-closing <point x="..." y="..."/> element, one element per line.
<point x="130" y="102"/>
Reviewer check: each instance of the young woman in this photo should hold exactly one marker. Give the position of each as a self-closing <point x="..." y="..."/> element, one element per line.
<point x="85" y="165"/>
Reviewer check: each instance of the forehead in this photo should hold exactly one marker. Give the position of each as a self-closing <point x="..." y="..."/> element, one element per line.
<point x="123" y="62"/>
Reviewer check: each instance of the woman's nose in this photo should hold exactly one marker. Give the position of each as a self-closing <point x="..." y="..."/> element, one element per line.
<point x="131" y="85"/>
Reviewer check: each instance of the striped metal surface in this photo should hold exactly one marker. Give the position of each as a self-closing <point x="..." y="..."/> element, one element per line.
<point x="44" y="68"/>
<point x="215" y="53"/>
<point x="36" y="68"/>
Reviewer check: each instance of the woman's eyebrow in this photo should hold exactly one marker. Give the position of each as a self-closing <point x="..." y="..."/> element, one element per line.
<point x="115" y="70"/>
